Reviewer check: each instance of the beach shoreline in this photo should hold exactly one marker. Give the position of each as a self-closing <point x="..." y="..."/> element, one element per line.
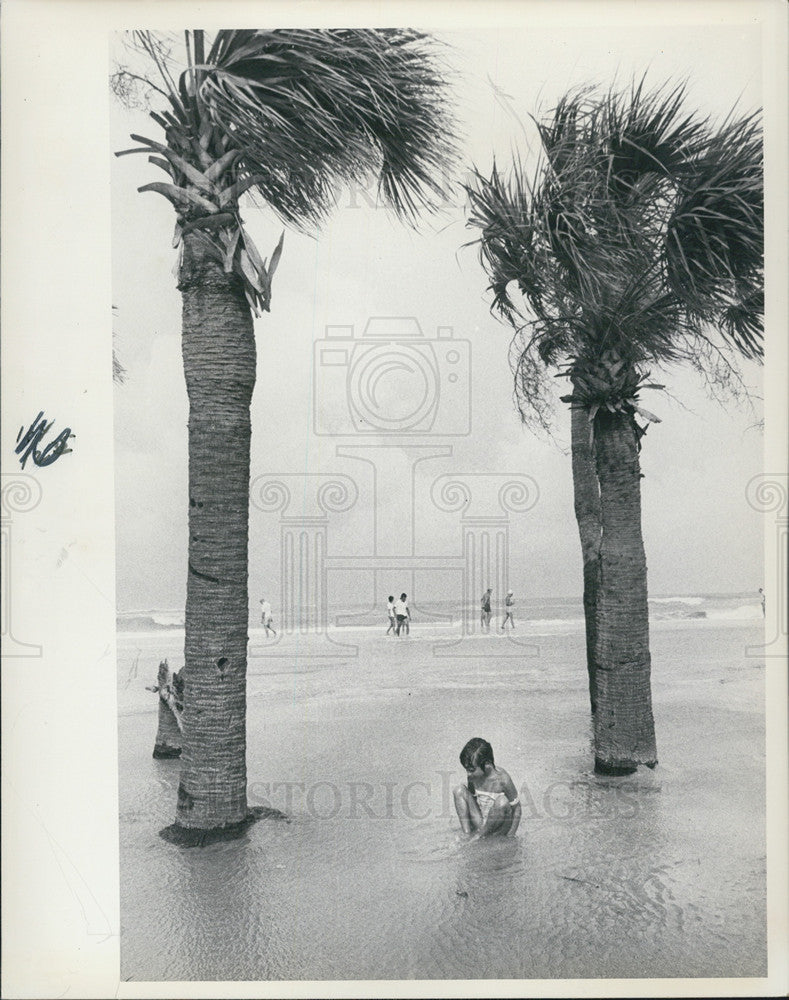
<point x="371" y="879"/>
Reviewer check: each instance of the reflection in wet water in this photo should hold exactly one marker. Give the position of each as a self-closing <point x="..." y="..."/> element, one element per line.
<point x="658" y="874"/>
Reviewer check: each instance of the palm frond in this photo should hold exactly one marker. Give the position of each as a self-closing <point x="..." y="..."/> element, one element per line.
<point x="502" y="209"/>
<point x="648" y="133"/>
<point x="640" y="225"/>
<point x="532" y="389"/>
<point x="312" y="109"/>
<point x="714" y="246"/>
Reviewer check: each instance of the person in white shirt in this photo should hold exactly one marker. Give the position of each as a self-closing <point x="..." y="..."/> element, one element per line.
<point x="266" y="616"/>
<point x="509" y="607"/>
<point x="390" y="610"/>
<point x="402" y="614"/>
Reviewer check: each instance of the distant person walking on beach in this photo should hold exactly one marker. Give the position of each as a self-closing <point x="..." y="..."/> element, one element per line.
<point x="403" y="615"/>
<point x="390" y="610"/>
<point x="509" y="607"/>
<point x="266" y="617"/>
<point x="764" y="601"/>
<point x="488" y="803"/>
<point x="484" y="618"/>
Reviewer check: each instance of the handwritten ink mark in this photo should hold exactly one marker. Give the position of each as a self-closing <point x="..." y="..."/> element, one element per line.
<point x="27" y="447"/>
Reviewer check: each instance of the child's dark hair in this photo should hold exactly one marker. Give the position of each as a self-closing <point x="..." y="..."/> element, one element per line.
<point x="476" y="753"/>
<point x="391" y="597"/>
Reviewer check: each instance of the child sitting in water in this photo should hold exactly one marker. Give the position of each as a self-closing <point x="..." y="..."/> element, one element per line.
<point x="488" y="803"/>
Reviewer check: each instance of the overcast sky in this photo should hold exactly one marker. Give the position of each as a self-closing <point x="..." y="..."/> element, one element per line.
<point x="700" y="534"/>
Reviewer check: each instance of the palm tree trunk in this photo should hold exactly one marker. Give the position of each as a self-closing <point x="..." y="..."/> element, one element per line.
<point x="219" y="365"/>
<point x="586" y="495"/>
<point x="624" y="730"/>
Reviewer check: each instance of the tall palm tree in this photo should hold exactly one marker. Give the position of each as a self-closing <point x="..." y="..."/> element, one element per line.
<point x="638" y="236"/>
<point x="287" y="115"/>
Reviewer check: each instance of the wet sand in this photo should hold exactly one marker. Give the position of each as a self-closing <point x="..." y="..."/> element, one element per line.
<point x="660" y="874"/>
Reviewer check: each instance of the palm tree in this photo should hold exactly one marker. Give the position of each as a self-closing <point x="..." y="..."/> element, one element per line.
<point x="287" y="115"/>
<point x="638" y="236"/>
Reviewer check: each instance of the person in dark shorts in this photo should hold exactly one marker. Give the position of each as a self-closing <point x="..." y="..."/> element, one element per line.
<point x="485" y="612"/>
<point x="403" y="615"/>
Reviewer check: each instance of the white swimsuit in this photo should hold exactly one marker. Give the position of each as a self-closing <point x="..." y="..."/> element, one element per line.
<point x="485" y="800"/>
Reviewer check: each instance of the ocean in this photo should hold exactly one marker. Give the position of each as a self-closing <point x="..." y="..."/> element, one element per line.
<point x="355" y="735"/>
<point x="551" y="613"/>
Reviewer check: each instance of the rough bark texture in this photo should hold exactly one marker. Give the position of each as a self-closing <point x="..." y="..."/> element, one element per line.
<point x="624" y="729"/>
<point x="219" y="366"/>
<point x="586" y="494"/>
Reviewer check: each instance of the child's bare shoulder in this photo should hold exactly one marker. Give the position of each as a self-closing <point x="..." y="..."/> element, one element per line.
<point x="504" y="777"/>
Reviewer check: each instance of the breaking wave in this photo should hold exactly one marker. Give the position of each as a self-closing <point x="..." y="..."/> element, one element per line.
<point x="677" y="600"/>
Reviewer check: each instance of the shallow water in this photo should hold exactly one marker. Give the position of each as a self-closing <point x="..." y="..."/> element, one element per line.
<point x="658" y="874"/>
